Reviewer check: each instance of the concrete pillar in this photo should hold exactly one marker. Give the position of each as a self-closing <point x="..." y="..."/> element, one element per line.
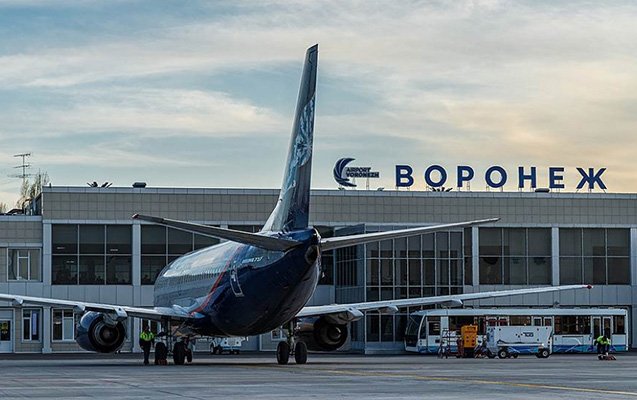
<point x="46" y="328"/>
<point x="137" y="261"/>
<point x="633" y="281"/>
<point x="134" y="336"/>
<point x="633" y="256"/>
<point x="632" y="318"/>
<point x="555" y="256"/>
<point x="475" y="247"/>
<point x="46" y="254"/>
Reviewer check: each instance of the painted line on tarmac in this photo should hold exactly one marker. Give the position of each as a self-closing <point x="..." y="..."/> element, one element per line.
<point x="480" y="381"/>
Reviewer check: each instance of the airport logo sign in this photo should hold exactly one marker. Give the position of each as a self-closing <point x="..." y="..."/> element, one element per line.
<point x="496" y="176"/>
<point x="343" y="173"/>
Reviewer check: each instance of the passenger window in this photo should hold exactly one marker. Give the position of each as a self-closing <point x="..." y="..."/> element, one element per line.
<point x="434" y="327"/>
<point x="620" y="327"/>
<point x="558" y="325"/>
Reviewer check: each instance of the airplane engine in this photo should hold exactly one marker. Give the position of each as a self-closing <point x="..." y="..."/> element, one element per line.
<point x="320" y="334"/>
<point x="100" y="333"/>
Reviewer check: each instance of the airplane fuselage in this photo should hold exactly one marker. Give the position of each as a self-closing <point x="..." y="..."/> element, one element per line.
<point x="235" y="289"/>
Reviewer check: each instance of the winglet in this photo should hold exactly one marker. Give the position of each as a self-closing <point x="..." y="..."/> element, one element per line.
<point x="148" y="218"/>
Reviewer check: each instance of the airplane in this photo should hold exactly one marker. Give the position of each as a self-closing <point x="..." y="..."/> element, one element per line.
<point x="253" y="283"/>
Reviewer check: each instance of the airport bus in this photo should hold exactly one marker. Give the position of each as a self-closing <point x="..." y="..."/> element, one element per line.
<point x="574" y="329"/>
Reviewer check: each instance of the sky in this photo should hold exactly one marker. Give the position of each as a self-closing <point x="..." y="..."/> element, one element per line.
<point x="202" y="93"/>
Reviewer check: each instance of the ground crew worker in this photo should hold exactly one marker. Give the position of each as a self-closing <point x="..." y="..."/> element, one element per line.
<point x="146" y="341"/>
<point x="460" y="345"/>
<point x="603" y="346"/>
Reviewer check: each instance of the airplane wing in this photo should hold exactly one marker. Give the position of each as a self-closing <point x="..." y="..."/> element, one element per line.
<point x="252" y="239"/>
<point x="352" y="240"/>
<point x="156" y="313"/>
<point x="343" y="313"/>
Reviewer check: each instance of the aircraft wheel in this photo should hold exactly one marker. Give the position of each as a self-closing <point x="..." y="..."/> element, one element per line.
<point x="179" y="353"/>
<point x="189" y="356"/>
<point x="300" y="353"/>
<point x="282" y="353"/>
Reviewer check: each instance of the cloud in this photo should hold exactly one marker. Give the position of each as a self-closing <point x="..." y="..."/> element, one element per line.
<point x="143" y="112"/>
<point x="479" y="82"/>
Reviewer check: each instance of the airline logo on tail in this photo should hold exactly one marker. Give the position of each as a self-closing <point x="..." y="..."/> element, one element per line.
<point x="343" y="173"/>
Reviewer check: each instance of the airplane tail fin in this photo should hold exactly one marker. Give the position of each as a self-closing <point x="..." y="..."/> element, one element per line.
<point x="292" y="209"/>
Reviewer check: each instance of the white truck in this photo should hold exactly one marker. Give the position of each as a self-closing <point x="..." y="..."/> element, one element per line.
<point x="510" y="341"/>
<point x="230" y="344"/>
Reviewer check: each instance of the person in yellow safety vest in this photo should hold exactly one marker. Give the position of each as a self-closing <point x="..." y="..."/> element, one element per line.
<point x="603" y="345"/>
<point x="146" y="341"/>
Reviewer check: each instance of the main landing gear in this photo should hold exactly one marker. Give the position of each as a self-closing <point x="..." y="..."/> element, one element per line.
<point x="181" y="353"/>
<point x="283" y="352"/>
<point x="290" y="347"/>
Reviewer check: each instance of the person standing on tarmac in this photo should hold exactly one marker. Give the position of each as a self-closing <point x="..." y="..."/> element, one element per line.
<point x="146" y="341"/>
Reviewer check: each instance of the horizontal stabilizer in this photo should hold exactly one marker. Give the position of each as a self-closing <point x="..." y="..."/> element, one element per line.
<point x="252" y="239"/>
<point x="353" y="240"/>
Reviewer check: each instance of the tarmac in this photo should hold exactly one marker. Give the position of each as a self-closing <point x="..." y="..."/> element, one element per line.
<point x="257" y="376"/>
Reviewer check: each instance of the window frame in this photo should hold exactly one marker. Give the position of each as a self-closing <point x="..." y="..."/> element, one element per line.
<point x="11" y="264"/>
<point x="64" y="316"/>
<point x="31" y="311"/>
<point x="514" y="269"/>
<point x="106" y="255"/>
<point x="587" y="257"/>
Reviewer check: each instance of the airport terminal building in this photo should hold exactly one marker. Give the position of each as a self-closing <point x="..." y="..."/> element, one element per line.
<point x="80" y="243"/>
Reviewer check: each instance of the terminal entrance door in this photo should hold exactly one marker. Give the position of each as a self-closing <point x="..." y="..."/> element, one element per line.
<point x="6" y="342"/>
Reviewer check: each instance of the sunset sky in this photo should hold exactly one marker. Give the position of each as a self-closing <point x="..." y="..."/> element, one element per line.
<point x="201" y="94"/>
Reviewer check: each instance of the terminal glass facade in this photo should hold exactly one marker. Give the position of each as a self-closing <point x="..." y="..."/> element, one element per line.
<point x="515" y="256"/>
<point x="161" y="245"/>
<point x="418" y="266"/>
<point x="91" y="255"/>
<point x="81" y="244"/>
<point x="598" y="256"/>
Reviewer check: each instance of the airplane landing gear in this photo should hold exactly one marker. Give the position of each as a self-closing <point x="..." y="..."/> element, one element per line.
<point x="291" y="347"/>
<point x="179" y="353"/>
<point x="282" y="353"/>
<point x="300" y="353"/>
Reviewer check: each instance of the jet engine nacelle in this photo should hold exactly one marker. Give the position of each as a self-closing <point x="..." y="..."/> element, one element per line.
<point x="100" y="333"/>
<point x="319" y="334"/>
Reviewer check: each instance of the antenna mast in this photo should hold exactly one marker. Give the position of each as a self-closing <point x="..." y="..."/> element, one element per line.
<point x="24" y="166"/>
